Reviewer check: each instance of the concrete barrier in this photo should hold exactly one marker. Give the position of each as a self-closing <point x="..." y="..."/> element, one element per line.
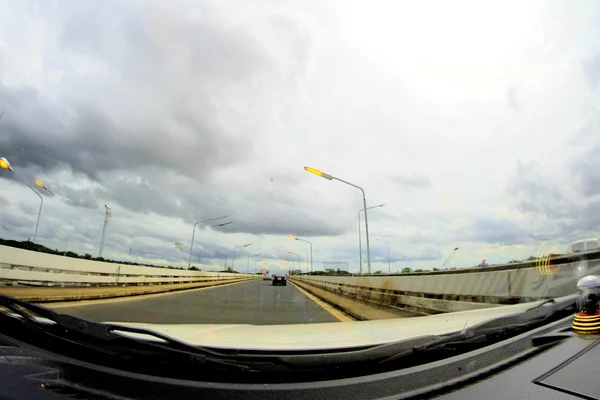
<point x="61" y="294"/>
<point x="463" y="290"/>
<point x="24" y="267"/>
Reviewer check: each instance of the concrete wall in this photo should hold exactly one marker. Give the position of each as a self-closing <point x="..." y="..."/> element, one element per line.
<point x="466" y="290"/>
<point x="18" y="266"/>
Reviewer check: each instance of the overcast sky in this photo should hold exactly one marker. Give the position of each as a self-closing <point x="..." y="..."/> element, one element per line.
<point x="476" y="122"/>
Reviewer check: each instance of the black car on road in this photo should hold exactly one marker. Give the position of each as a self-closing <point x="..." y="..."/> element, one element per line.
<point x="279" y="280"/>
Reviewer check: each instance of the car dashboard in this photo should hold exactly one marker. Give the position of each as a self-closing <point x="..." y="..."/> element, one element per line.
<point x="549" y="362"/>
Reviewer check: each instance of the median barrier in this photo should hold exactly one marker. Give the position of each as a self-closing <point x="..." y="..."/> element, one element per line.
<point x="61" y="294"/>
<point x="20" y="267"/>
<point x="470" y="289"/>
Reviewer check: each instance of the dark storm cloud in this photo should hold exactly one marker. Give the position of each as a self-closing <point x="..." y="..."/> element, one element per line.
<point x="84" y="198"/>
<point x="4" y="201"/>
<point x="252" y="210"/>
<point x="28" y="208"/>
<point x="213" y="84"/>
<point x="586" y="169"/>
<point x="538" y="195"/>
<point x="550" y="204"/>
<point x="411" y="181"/>
<point x="93" y="143"/>
<point x="553" y="214"/>
<point x="589" y="218"/>
<point x="13" y="223"/>
<point x="139" y="47"/>
<point x="490" y="230"/>
<point x="298" y="223"/>
<point x="380" y="255"/>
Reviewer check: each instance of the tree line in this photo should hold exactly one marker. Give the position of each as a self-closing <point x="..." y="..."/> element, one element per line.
<point x="31" y="246"/>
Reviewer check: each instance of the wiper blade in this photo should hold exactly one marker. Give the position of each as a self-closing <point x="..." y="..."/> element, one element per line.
<point x="480" y="333"/>
<point x="103" y="336"/>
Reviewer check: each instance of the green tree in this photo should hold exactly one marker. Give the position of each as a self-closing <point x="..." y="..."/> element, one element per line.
<point x="406" y="270"/>
<point x="87" y="256"/>
<point x="377" y="273"/>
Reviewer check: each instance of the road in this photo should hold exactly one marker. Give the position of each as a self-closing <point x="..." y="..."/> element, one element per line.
<point x="254" y="302"/>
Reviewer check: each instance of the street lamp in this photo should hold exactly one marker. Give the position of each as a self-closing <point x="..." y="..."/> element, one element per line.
<point x="297" y="258"/>
<point x="200" y="249"/>
<point x="233" y="257"/>
<point x="248" y="265"/>
<point x="359" y="236"/>
<point x="41" y="185"/>
<point x="194" y="232"/>
<point x="284" y="263"/>
<point x="107" y="215"/>
<point x="4" y="164"/>
<point x="223" y="224"/>
<point x="311" y="252"/>
<point x="388" y="247"/>
<point x="331" y="177"/>
<point x="450" y="256"/>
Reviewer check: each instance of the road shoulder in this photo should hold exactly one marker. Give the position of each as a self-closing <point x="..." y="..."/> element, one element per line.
<point x="340" y="315"/>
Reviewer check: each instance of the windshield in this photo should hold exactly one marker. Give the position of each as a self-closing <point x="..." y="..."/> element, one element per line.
<point x="210" y="167"/>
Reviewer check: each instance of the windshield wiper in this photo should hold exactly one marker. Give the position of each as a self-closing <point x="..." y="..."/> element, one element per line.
<point x="105" y="338"/>
<point x="170" y="351"/>
<point x="496" y="328"/>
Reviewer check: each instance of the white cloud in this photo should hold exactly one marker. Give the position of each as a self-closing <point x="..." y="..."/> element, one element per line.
<point x="465" y="118"/>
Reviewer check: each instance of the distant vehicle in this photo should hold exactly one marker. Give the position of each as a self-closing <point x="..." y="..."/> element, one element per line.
<point x="279" y="280"/>
<point x="266" y="277"/>
<point x="583" y="245"/>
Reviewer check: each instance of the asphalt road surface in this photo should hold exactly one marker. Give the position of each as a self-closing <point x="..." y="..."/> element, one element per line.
<point x="253" y="302"/>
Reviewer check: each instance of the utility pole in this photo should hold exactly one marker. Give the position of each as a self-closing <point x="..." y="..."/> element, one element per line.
<point x="107" y="215"/>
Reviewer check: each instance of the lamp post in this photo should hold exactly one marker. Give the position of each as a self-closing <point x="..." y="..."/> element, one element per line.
<point x="297" y="258"/>
<point x="41" y="185"/>
<point x="359" y="236"/>
<point x="311" y="252"/>
<point x="284" y="263"/>
<point x="331" y="177"/>
<point x="107" y="215"/>
<point x="233" y="256"/>
<point x="388" y="248"/>
<point x="450" y="256"/>
<point x="212" y="226"/>
<point x="4" y="164"/>
<point x="248" y="265"/>
<point x="223" y="224"/>
<point x="194" y="232"/>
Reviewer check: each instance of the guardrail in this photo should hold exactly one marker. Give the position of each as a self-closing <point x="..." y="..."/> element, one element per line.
<point x="24" y="267"/>
<point x="462" y="290"/>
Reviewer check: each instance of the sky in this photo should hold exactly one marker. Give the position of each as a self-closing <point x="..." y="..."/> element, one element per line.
<point x="476" y="123"/>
